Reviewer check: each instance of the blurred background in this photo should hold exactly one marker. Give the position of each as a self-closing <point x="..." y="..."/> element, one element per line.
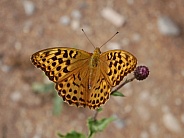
<point x="150" y="30"/>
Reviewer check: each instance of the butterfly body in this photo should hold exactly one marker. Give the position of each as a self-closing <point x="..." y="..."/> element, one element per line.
<point x="82" y="78"/>
<point x="93" y="66"/>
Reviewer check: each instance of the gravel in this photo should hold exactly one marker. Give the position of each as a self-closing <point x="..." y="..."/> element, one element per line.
<point x="29" y="7"/>
<point x="64" y="20"/>
<point x="167" y="26"/>
<point x="171" y="122"/>
<point x="112" y="16"/>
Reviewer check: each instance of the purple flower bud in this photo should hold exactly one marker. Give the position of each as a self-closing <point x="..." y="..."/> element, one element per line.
<point x="141" y="72"/>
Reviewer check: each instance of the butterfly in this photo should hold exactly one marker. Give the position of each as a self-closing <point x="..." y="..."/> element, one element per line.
<point x="82" y="78"/>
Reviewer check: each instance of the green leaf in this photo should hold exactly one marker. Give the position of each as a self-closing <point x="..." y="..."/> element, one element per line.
<point x="116" y="93"/>
<point x="99" y="109"/>
<point x="98" y="125"/>
<point x="43" y="88"/>
<point x="72" y="134"/>
<point x="57" y="105"/>
<point x="60" y="135"/>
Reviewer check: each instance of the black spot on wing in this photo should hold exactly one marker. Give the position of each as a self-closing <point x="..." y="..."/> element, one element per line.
<point x="61" y="85"/>
<point x="119" y="54"/>
<point x="49" y="68"/>
<point x="75" y="54"/>
<point x="65" y="55"/>
<point x="54" y="64"/>
<point x="75" y="91"/>
<point x="75" y="84"/>
<point x="81" y="99"/>
<point x="64" y="91"/>
<point x="115" y="63"/>
<point x="115" y="71"/>
<point x="79" y="77"/>
<point x="68" y="96"/>
<point x="68" y="85"/>
<point x="110" y="73"/>
<point x="58" y="68"/>
<point x="68" y="62"/>
<point x="74" y="98"/>
<point x="54" y="58"/>
<point x="65" y="70"/>
<point x="114" y="57"/>
<point x="97" y="88"/>
<point x="58" y="53"/>
<point x="70" y="53"/>
<point x="110" y="65"/>
<point x="60" y="60"/>
<point x="43" y="59"/>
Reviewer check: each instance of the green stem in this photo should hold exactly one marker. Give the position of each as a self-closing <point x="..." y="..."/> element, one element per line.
<point x="121" y="85"/>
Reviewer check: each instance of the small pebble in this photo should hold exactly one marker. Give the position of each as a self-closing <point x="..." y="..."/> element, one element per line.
<point x="64" y="20"/>
<point x="153" y="128"/>
<point x="37" y="136"/>
<point x="130" y="2"/>
<point x="182" y="72"/>
<point x="16" y="96"/>
<point x="136" y="37"/>
<point x="171" y="122"/>
<point x="29" y="7"/>
<point x="143" y="112"/>
<point x="39" y="132"/>
<point x="178" y="101"/>
<point x="144" y="134"/>
<point x="128" y="108"/>
<point x="5" y="68"/>
<point x="125" y="41"/>
<point x="144" y="96"/>
<point x="18" y="45"/>
<point x="113" y="17"/>
<point x="182" y="118"/>
<point x="76" y="14"/>
<point x="75" y="24"/>
<point x="27" y="26"/>
<point x="119" y="123"/>
<point x="167" y="26"/>
<point x="165" y="109"/>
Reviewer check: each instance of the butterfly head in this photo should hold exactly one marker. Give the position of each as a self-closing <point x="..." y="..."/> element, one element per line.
<point x="97" y="51"/>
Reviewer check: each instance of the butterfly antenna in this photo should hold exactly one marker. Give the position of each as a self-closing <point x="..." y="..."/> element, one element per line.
<point x="87" y="38"/>
<point x="109" y="39"/>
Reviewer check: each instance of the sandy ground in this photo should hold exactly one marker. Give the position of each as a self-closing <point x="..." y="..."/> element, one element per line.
<point x="153" y="108"/>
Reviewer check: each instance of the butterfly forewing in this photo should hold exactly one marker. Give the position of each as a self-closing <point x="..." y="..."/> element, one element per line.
<point x="60" y="62"/>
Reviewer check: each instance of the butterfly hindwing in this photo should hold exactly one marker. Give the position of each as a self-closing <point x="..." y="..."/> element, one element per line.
<point x="100" y="91"/>
<point x="74" y="89"/>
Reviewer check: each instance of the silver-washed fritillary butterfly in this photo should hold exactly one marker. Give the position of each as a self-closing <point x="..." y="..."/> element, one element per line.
<point x="82" y="78"/>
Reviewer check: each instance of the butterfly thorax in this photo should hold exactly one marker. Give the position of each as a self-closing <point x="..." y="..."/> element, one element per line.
<point x="93" y="65"/>
<point x="95" y="58"/>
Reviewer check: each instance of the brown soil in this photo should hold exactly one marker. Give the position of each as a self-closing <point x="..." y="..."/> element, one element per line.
<point x="24" y="114"/>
